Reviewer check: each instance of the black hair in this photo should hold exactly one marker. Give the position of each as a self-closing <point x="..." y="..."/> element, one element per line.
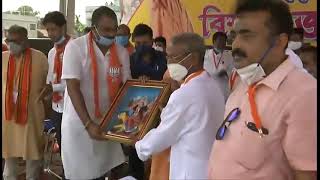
<point x="280" y="20"/>
<point x="124" y="26"/>
<point x="218" y="34"/>
<point x="103" y="11"/>
<point x="309" y="49"/>
<point x="141" y="30"/>
<point x="54" y="17"/>
<point x="161" y="39"/>
<point x="19" y="30"/>
<point x="298" y="31"/>
<point x="87" y="29"/>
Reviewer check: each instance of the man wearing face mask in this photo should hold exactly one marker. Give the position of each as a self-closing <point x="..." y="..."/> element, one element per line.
<point x="55" y="24"/>
<point x="294" y="46"/>
<point x="218" y="61"/>
<point x="309" y="58"/>
<point x="94" y="67"/>
<point x="273" y="133"/>
<point x="192" y="115"/>
<point x="160" y="44"/>
<point x="24" y="72"/>
<point x="146" y="62"/>
<point x="123" y="37"/>
<point x="296" y="40"/>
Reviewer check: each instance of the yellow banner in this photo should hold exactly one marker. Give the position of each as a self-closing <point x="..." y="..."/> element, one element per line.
<point x="205" y="17"/>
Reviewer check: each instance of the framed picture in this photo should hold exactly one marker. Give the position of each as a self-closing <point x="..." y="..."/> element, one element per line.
<point x="135" y="110"/>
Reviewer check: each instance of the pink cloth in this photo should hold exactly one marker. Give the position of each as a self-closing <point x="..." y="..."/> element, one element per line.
<point x="287" y="104"/>
<point x="169" y="18"/>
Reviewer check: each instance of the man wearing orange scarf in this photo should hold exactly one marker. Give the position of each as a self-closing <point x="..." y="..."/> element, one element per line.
<point x="24" y="72"/>
<point x="192" y="114"/>
<point x="94" y="68"/>
<point x="55" y="24"/>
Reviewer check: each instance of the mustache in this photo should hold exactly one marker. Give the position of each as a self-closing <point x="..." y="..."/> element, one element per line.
<point x="239" y="52"/>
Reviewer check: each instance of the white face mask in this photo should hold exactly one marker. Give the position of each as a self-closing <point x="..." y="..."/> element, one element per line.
<point x="254" y="72"/>
<point x="294" y="45"/>
<point x="158" y="48"/>
<point x="177" y="71"/>
<point x="251" y="73"/>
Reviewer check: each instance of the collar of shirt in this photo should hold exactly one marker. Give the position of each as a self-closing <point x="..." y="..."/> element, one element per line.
<point x="217" y="51"/>
<point x="274" y="79"/>
<point x="194" y="78"/>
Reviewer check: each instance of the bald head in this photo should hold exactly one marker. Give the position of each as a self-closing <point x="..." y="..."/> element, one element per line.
<point x="192" y="42"/>
<point x="15" y="29"/>
<point x="123" y="30"/>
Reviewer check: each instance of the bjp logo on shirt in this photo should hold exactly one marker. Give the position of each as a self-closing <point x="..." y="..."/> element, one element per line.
<point x="114" y="72"/>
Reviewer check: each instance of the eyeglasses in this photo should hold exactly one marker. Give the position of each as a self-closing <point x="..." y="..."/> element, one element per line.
<point x="254" y="128"/>
<point x="16" y="41"/>
<point x="233" y="115"/>
<point x="10" y="40"/>
<point x="175" y="58"/>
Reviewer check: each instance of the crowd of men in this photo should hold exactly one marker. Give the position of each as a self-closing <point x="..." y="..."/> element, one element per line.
<point x="244" y="109"/>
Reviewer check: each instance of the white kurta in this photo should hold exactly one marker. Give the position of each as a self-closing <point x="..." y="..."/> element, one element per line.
<point x="58" y="107"/>
<point x="188" y="124"/>
<point x="212" y="66"/>
<point x="83" y="157"/>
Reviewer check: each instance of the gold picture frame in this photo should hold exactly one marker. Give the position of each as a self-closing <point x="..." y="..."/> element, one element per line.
<point x="135" y="110"/>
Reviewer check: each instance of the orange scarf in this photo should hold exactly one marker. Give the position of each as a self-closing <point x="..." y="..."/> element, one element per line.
<point x="114" y="75"/>
<point x="232" y="79"/>
<point x="23" y="89"/>
<point x="57" y="69"/>
<point x="130" y="49"/>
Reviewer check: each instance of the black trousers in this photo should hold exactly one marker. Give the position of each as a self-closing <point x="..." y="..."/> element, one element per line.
<point x="57" y="118"/>
<point x="136" y="166"/>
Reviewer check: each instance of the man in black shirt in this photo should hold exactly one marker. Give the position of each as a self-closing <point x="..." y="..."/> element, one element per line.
<point x="146" y="62"/>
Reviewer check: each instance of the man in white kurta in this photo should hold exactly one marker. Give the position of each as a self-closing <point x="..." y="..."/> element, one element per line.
<point x="192" y="115"/>
<point x="55" y="24"/>
<point x="218" y="61"/>
<point x="84" y="157"/>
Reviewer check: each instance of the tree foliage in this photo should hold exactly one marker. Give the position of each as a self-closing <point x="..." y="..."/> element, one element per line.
<point x="79" y="27"/>
<point x="25" y="11"/>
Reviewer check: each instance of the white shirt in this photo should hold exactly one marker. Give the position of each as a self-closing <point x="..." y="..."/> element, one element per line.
<point x="83" y="157"/>
<point x="214" y="63"/>
<point x="295" y="59"/>
<point x="213" y="66"/>
<point x="188" y="125"/>
<point x="58" y="107"/>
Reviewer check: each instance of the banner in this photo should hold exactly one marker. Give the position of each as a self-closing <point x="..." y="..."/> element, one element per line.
<point x="205" y="17"/>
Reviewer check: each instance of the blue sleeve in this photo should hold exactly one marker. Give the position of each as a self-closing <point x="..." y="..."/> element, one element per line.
<point x="134" y="66"/>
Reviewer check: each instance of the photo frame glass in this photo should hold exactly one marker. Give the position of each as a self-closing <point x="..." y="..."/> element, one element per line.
<point x="135" y="110"/>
